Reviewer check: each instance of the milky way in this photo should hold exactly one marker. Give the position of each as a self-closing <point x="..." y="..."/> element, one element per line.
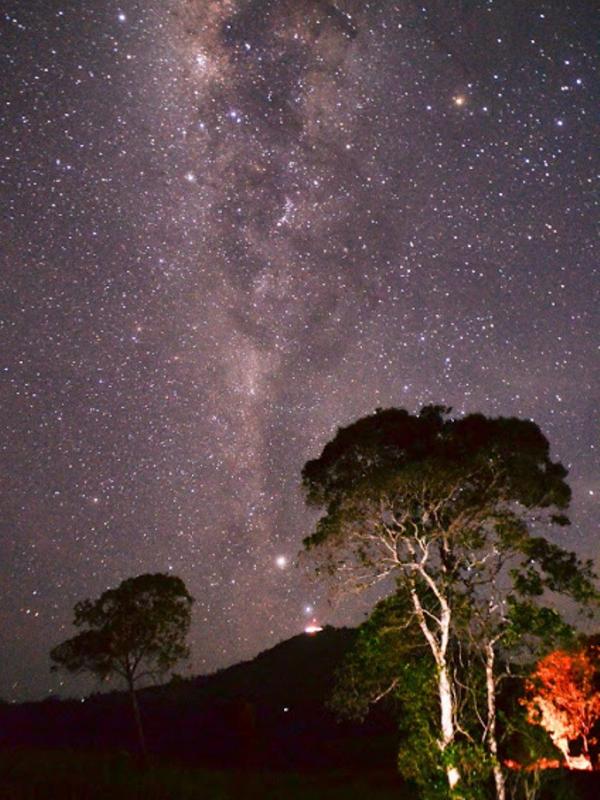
<point x="228" y="227"/>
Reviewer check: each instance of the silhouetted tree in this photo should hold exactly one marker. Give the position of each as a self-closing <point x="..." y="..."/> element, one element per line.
<point x="445" y="507"/>
<point x="135" y="631"/>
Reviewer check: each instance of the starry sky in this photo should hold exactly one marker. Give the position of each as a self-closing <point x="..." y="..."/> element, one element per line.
<point x="228" y="227"/>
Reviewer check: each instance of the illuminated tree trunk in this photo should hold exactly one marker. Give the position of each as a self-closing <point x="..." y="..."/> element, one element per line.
<point x="438" y="644"/>
<point x="562" y="699"/>
<point x="492" y="741"/>
<point x="447" y="719"/>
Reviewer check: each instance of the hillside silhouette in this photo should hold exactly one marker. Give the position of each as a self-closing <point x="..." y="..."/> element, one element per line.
<point x="269" y="712"/>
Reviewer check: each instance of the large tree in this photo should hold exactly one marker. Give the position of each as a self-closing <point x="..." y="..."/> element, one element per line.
<point x="448" y="508"/>
<point x="136" y="631"/>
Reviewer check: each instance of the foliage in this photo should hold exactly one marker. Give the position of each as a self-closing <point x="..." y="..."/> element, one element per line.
<point x="459" y="496"/>
<point x="136" y="630"/>
<point x="562" y="697"/>
<point x="386" y="642"/>
<point x="393" y="452"/>
<point x="390" y="663"/>
<point x="451" y="510"/>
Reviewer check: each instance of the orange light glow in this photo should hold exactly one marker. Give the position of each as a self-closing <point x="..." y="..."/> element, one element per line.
<point x="562" y="699"/>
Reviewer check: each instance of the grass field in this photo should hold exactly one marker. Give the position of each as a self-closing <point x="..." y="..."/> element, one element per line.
<point x="64" y="775"/>
<point x="55" y="775"/>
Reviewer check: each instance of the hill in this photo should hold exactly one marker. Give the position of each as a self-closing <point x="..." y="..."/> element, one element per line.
<point x="269" y="712"/>
<point x="259" y="729"/>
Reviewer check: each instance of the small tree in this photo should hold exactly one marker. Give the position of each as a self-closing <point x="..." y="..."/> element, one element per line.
<point x="135" y="631"/>
<point x="563" y="697"/>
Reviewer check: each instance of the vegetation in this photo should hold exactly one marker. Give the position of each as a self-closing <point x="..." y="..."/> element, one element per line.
<point x="447" y="509"/>
<point x="563" y="697"/>
<point x="52" y="775"/>
<point x="136" y="631"/>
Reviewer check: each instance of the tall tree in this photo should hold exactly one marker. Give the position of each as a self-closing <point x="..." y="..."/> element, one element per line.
<point x="135" y="631"/>
<point x="430" y="501"/>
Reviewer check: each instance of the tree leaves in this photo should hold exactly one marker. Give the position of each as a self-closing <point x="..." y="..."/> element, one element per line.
<point x="447" y="507"/>
<point x="137" y="628"/>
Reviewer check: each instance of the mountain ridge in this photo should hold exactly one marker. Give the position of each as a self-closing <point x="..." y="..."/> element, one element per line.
<point x="269" y="711"/>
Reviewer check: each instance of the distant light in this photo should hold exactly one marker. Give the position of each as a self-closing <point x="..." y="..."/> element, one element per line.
<point x="313" y="628"/>
<point x="281" y="562"/>
<point x="285" y="708"/>
<point x="459" y="100"/>
<point x="121" y="17"/>
<point x="190" y="177"/>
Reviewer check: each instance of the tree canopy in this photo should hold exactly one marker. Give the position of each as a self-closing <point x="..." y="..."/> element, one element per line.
<point x="135" y="630"/>
<point x="441" y="472"/>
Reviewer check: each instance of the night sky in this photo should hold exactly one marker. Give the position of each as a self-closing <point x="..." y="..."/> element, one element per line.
<point x="228" y="227"/>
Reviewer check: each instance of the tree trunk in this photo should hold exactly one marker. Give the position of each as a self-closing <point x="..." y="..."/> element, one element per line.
<point x="138" y="722"/>
<point x="447" y="719"/>
<point x="439" y="648"/>
<point x="492" y="741"/>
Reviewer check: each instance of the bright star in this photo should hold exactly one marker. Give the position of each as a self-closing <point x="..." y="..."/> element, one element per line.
<point x="281" y="562"/>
